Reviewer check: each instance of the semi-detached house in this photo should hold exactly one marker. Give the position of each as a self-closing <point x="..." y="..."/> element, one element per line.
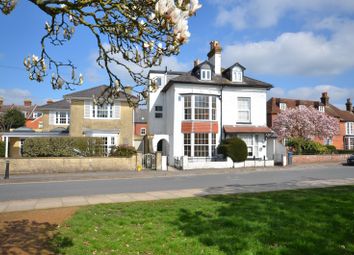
<point x="76" y="116"/>
<point x="191" y="112"/>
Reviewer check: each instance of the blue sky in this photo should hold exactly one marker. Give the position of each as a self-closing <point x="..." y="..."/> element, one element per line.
<point x="301" y="47"/>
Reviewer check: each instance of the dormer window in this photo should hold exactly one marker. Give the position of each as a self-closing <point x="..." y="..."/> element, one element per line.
<point x="321" y="108"/>
<point x="236" y="74"/>
<point x="205" y="74"/>
<point x="282" y="106"/>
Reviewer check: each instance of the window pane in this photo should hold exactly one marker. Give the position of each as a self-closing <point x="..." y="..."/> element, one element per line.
<point x="244" y="109"/>
<point x="201" y="104"/>
<point x="187" y="107"/>
<point x="201" y="145"/>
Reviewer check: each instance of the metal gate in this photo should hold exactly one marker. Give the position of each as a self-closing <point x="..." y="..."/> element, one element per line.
<point x="149" y="161"/>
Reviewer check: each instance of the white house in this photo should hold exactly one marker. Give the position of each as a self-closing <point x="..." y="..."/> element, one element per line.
<point x="191" y="112"/>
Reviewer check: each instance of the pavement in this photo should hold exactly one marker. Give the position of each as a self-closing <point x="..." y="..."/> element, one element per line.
<point x="234" y="185"/>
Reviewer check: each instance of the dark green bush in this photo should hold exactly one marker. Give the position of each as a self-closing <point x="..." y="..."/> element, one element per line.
<point x="63" y="147"/>
<point x="331" y="149"/>
<point x="2" y="149"/>
<point x="345" y="151"/>
<point x="123" y="151"/>
<point x="235" y="148"/>
<point x="306" y="146"/>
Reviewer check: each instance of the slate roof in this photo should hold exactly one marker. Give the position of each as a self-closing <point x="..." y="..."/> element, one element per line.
<point x="140" y="115"/>
<point x="218" y="80"/>
<point x="95" y="91"/>
<point x="58" y="105"/>
<point x="331" y="110"/>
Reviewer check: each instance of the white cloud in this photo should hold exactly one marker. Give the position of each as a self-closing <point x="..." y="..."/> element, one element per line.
<point x="261" y="13"/>
<point x="338" y="95"/>
<point x="302" y="53"/>
<point x="15" y="95"/>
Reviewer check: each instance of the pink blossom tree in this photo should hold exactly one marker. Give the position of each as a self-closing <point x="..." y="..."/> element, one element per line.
<point x="305" y="122"/>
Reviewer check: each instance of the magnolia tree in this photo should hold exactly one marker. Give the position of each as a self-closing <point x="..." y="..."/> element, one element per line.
<point x="305" y="122"/>
<point x="141" y="32"/>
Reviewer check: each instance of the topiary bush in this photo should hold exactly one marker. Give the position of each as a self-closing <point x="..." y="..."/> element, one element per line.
<point x="63" y="147"/>
<point x="235" y="148"/>
<point x="2" y="149"/>
<point x="123" y="151"/>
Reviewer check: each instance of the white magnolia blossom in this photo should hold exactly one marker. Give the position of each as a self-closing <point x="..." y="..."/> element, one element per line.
<point x="178" y="17"/>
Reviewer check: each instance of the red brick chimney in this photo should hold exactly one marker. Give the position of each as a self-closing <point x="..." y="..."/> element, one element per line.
<point x="27" y="102"/>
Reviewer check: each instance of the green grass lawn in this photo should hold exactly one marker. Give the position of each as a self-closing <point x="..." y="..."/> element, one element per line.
<point x="317" y="221"/>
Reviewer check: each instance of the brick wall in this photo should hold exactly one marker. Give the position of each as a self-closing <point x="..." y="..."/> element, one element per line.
<point x="306" y="159"/>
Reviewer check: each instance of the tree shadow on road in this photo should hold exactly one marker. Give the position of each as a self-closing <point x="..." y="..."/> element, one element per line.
<point x="30" y="237"/>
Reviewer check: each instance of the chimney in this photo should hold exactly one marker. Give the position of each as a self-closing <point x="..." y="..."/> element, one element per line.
<point x="325" y="99"/>
<point x="27" y="102"/>
<point x="349" y="105"/>
<point x="214" y="56"/>
<point x="1" y="101"/>
<point x="50" y="101"/>
<point x="196" y="62"/>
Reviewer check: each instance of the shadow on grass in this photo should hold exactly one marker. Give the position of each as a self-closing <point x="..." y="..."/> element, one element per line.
<point x="318" y="221"/>
<point x="30" y="237"/>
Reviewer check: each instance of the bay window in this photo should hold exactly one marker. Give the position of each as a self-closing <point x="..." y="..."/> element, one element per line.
<point x="199" y="107"/>
<point x="200" y="145"/>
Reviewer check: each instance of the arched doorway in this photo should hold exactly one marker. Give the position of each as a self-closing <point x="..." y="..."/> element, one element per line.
<point x="162" y="146"/>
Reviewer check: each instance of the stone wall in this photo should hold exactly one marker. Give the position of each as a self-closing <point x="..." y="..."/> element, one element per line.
<point x="306" y="159"/>
<point x="68" y="165"/>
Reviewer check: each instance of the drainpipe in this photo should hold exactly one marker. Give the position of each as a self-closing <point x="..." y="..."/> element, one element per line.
<point x="221" y="123"/>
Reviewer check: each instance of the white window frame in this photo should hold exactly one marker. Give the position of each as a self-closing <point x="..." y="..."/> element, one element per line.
<point x="321" y="108"/>
<point x="141" y="131"/>
<point x="57" y="118"/>
<point x="349" y="143"/>
<point x="237" y="74"/>
<point x="190" y="146"/>
<point x="282" y="106"/>
<point x="96" y="108"/>
<point x="349" y="128"/>
<point x="205" y="74"/>
<point x="212" y="107"/>
<point x="112" y="140"/>
<point x="239" y="120"/>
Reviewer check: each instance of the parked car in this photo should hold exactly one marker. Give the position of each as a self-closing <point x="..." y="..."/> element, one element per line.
<point x="350" y="160"/>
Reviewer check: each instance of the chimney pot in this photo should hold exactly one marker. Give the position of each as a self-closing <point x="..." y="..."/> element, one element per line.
<point x="50" y="101"/>
<point x="196" y="62"/>
<point x="349" y="105"/>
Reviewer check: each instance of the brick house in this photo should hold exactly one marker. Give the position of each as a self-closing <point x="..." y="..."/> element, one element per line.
<point x="344" y="140"/>
<point x="76" y="115"/>
<point x="140" y="128"/>
<point x="30" y="111"/>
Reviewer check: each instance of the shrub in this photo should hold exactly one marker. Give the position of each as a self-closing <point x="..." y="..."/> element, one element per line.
<point x="307" y="146"/>
<point x="235" y="148"/>
<point x="63" y="147"/>
<point x="2" y="149"/>
<point x="123" y="151"/>
<point x="331" y="149"/>
<point x="345" y="151"/>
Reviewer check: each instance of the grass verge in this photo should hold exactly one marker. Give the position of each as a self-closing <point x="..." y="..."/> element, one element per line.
<point x="316" y="221"/>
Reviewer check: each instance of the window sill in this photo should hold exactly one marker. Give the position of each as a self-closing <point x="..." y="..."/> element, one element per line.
<point x="242" y="122"/>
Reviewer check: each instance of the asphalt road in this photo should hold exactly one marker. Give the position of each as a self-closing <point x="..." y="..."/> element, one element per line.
<point x="252" y="181"/>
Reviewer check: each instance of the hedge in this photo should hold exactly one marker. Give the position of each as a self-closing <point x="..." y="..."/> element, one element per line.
<point x="306" y="146"/>
<point x="2" y="149"/>
<point x="235" y="148"/>
<point x="123" y="151"/>
<point x="63" y="147"/>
